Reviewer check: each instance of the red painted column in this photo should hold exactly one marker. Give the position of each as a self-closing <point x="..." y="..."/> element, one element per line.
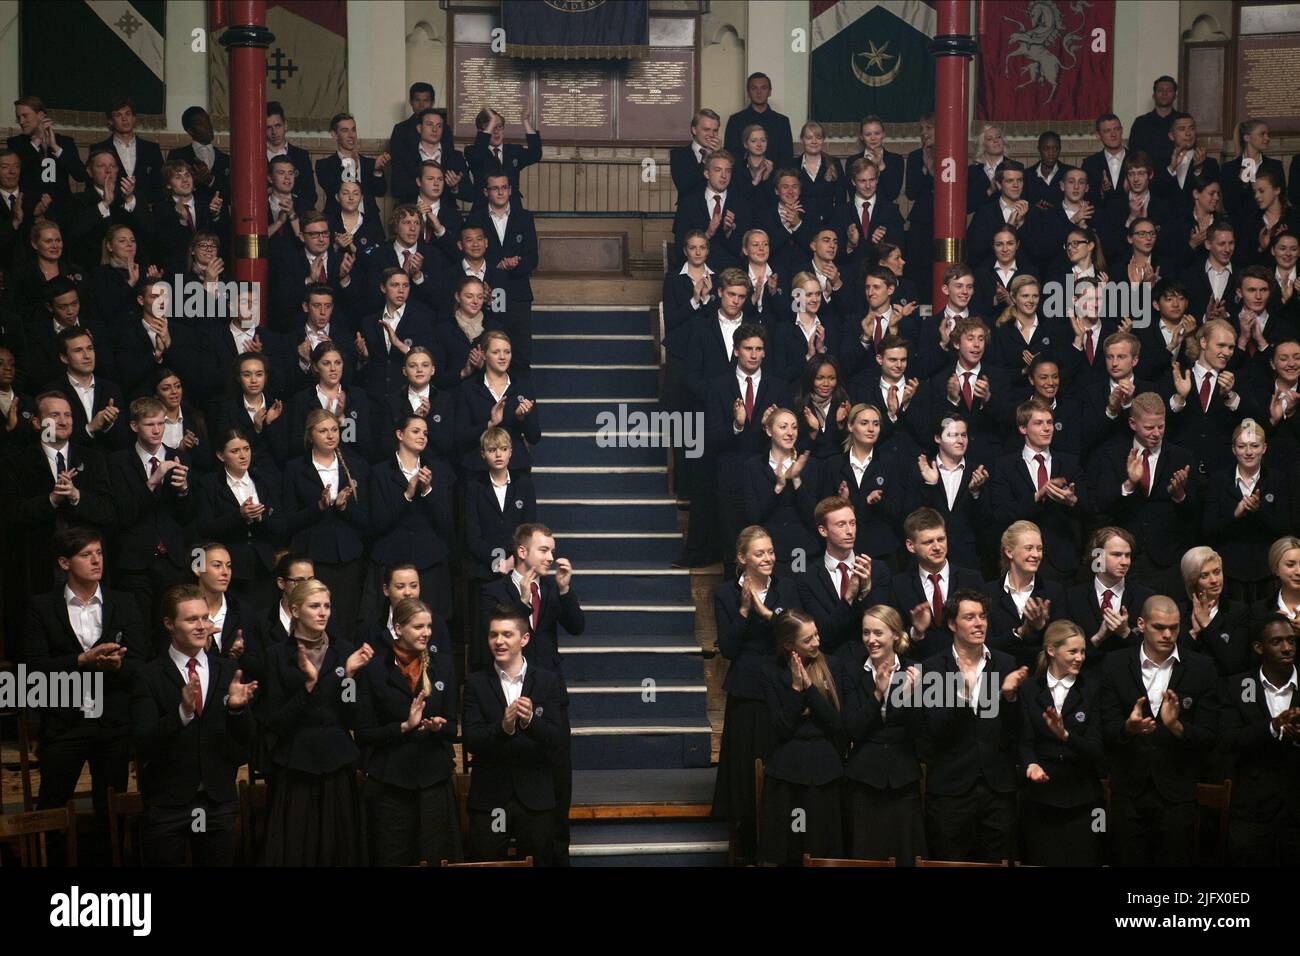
<point x="953" y="47"/>
<point x="246" y="39"/>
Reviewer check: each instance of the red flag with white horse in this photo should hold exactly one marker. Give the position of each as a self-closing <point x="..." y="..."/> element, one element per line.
<point x="1041" y="60"/>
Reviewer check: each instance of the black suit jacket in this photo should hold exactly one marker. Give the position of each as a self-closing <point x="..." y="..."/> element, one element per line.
<point x="988" y="219"/>
<point x="732" y="450"/>
<point x="1244" y="542"/>
<point x="884" y="214"/>
<point x="290" y="275"/>
<point x="808" y="733"/>
<point x="39" y="358"/>
<point x="1039" y="191"/>
<point x="1011" y="496"/>
<point x="1084" y="609"/>
<point x="966" y="520"/>
<point x="489" y="528"/>
<point x="1163" y="527"/>
<point x="694" y="212"/>
<point x="331" y="535"/>
<point x="406" y="171"/>
<point x="1165" y="183"/>
<point x="118" y="435"/>
<point x="67" y="167"/>
<point x="1004" y="619"/>
<point x="148" y="519"/>
<point x="1266" y="776"/>
<point x="906" y="592"/>
<point x="178" y="760"/>
<point x="381" y="373"/>
<point x="884" y="733"/>
<point x="519" y="766"/>
<point x="880" y="525"/>
<point x="51" y="646"/>
<point x="780" y="140"/>
<point x="87" y="224"/>
<point x="746" y="640"/>
<point x="687" y="172"/>
<point x="415" y="759"/>
<point x="1172" y="765"/>
<point x="329" y="173"/>
<point x="418" y="531"/>
<point x="961" y="743"/>
<point x="788" y="517"/>
<point x="440" y="420"/>
<point x="1207" y="435"/>
<point x="557" y="610"/>
<point x="474" y="410"/>
<point x="1074" y="766"/>
<point x="148" y="167"/>
<point x="358" y="410"/>
<point x="310" y="731"/>
<point x="172" y="237"/>
<point x="839" y="622"/>
<point x="514" y="160"/>
<point x="521" y="241"/>
<point x="251" y="544"/>
<point x="304" y="188"/>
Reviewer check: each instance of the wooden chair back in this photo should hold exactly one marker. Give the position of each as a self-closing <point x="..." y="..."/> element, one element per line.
<point x="30" y="829"/>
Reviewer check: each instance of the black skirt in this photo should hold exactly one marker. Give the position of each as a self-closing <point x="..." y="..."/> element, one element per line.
<point x="1056" y="836"/>
<point x="799" y="819"/>
<point x="746" y="737"/>
<point x="886" y="823"/>
<point x="313" y="819"/>
<point x="408" y="827"/>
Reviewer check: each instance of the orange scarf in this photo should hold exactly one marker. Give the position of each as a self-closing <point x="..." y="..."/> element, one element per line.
<point x="408" y="662"/>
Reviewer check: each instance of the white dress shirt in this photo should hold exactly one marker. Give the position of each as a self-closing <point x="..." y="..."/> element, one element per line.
<point x="330" y="405"/>
<point x="1018" y="598"/>
<point x="86" y="393"/>
<point x="252" y="410"/>
<point x="513" y="687"/>
<point x="1246" y="485"/>
<point x="86" y="617"/>
<point x="329" y="475"/>
<point x="415" y="396"/>
<point x="833" y="569"/>
<point x="860" y="466"/>
<point x="1184" y="166"/>
<point x="500" y="492"/>
<point x="174" y="431"/>
<point x="242" y="488"/>
<point x="52" y="453"/>
<point x="1114" y="163"/>
<point x="126" y="152"/>
<point x="928" y="588"/>
<point x="1278" y="699"/>
<point x="1060" y="688"/>
<point x="1156" y="676"/>
<point x="970" y="693"/>
<point x="951" y="479"/>
<point x="1218" y="277"/>
<point x="219" y="624"/>
<point x="728" y="328"/>
<point x="1116" y="593"/>
<point x="499" y="222"/>
<point x="496" y="396"/>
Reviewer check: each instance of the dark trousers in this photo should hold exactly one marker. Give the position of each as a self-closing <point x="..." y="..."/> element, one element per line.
<point x="62" y="757"/>
<point x="206" y="827"/>
<point x="973" y="827"/>
<point x="1147" y="830"/>
<point x="1059" y="836"/>
<point x="1273" y="842"/>
<point x="407" y="827"/>
<point x="146" y="587"/>
<point x="490" y="832"/>
<point x="731" y="521"/>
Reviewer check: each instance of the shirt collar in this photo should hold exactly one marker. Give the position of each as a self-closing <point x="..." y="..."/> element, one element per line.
<point x="1053" y="682"/>
<point x="506" y="678"/>
<point x="1290" y="683"/>
<point x="182" y="661"/>
<point x="833" y="564"/>
<point x="1146" y="661"/>
<point x="1006" y="585"/>
<point x="74" y="601"/>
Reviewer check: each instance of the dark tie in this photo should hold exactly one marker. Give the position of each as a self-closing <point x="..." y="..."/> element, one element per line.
<point x="1089" y="352"/>
<point x="193" y="667"/>
<point x="880" y="330"/>
<point x="406" y="258"/>
<point x="537" y="604"/>
<point x="153" y="466"/>
<point x="1042" y="471"/>
<point x="936" y="601"/>
<point x="60" y="463"/>
<point x="1146" y="471"/>
<point x="717" y="206"/>
<point x="749" y="398"/>
<point x="866" y="222"/>
<point x="496" y="151"/>
<point x="189" y="217"/>
<point x="967" y="396"/>
<point x="844" y="580"/>
<point x="1106" y="597"/>
<point x="1206" y="385"/>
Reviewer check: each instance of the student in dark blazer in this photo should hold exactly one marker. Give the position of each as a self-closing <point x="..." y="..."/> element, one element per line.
<point x="1157" y="501"/>
<point x="430" y="144"/>
<point x="84" y="628"/>
<point x="733" y="423"/>
<point x="821" y="407"/>
<point x="952" y="484"/>
<point x="884" y="774"/>
<point x="232" y="623"/>
<point x="349" y="226"/>
<point x="1216" y="625"/>
<point x="191" y="722"/>
<point x="1237" y="176"/>
<point x="1257" y="728"/>
<point x="758" y="111"/>
<point x="1008" y="208"/>
<point x="213" y="173"/>
<point x="304" y="195"/>
<point x="497" y="501"/>
<point x="989" y="154"/>
<point x="1188" y="160"/>
<point x="840" y="581"/>
<point x="328" y="497"/>
<point x="105" y="202"/>
<point x="276" y="622"/>
<point x="440" y="217"/>
<point x="254" y="409"/>
<point x="312" y="818"/>
<point x="457" y="343"/>
<point x="490" y="152"/>
<point x="787" y="224"/>
<point x="868" y="316"/>
<point x="912" y="591"/>
<point x="35" y="142"/>
<point x="388" y="335"/>
<point x="406" y="721"/>
<point x="1038" y="484"/>
<point x="1267" y="216"/>
<point x="496" y="397"/>
<point x="822" y="183"/>
<point x="966" y="382"/>
<point x="512" y="251"/>
<point x="969" y="740"/>
<point x="745" y="610"/>
<point x="296" y="269"/>
<point x="369" y="173"/>
<point x="1161" y="341"/>
<point x="408" y="253"/>
<point x="1019" y="335"/>
<point x="798" y="337"/>
<point x="1022" y="602"/>
<point x="1043" y="178"/>
<point x="719" y="211"/>
<point x="410" y="517"/>
<point x="417" y="395"/>
<point x="352" y="407"/>
<point x="146" y="159"/>
<point x="877" y="483"/>
<point x="994" y="278"/>
<point x="182" y="211"/>
<point x="419" y="97"/>
<point x="1160" y="713"/>
<point x="152" y="339"/>
<point x="865" y="218"/>
<point x="781" y="498"/>
<point x="1061" y="754"/>
<point x="1247" y="508"/>
<point x="551" y="603"/>
<point x="1204" y="406"/>
<point x="1182" y="239"/>
<point x="1106" y="605"/>
<point x="516" y="732"/>
<point x="686" y="163"/>
<point x="1284" y="561"/>
<point x="239" y="505"/>
<point x="804" y="690"/>
<point x="155" y="506"/>
<point x="40" y="497"/>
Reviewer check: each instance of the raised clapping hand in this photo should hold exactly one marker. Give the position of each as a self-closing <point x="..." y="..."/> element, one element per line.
<point x="240" y="694"/>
